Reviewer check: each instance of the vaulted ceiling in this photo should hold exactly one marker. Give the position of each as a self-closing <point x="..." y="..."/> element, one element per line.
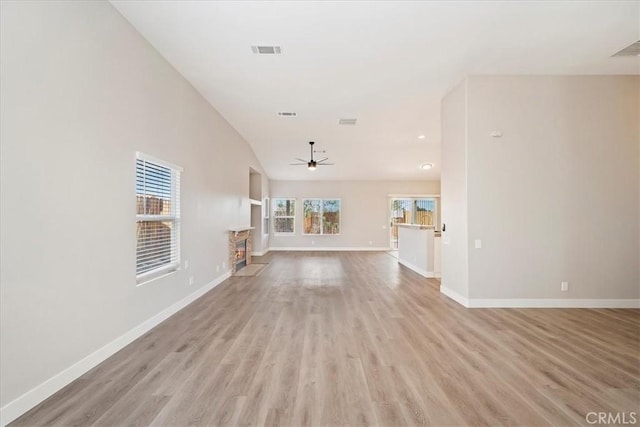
<point x="387" y="64"/>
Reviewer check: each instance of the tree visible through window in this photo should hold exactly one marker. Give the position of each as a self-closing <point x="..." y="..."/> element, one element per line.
<point x="321" y="216"/>
<point x="157" y="217"/>
<point x="284" y="211"/>
<point x="420" y="211"/>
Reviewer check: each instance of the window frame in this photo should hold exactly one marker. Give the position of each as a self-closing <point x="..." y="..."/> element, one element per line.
<point x="274" y="201"/>
<point x="174" y="217"/>
<point x="265" y="217"/>
<point x="415" y="210"/>
<point x="322" y="233"/>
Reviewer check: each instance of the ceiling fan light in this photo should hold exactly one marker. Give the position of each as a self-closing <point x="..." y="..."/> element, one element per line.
<point x="311" y="166"/>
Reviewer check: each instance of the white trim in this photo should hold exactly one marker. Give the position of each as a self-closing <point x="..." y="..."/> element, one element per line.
<point x="454" y="296"/>
<point x="240" y="228"/>
<point x="274" y="216"/>
<point x="320" y="248"/>
<point x="153" y="275"/>
<point x="420" y="271"/>
<point x="321" y="200"/>
<point x="155" y="217"/>
<point x="412" y="195"/>
<point x="539" y="302"/>
<point x="152" y="159"/>
<point x="33" y="397"/>
<point x="174" y="218"/>
<point x="260" y="253"/>
<point x="554" y="303"/>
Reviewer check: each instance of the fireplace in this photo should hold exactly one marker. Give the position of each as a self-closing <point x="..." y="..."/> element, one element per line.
<point x="241" y="254"/>
<point x="239" y="248"/>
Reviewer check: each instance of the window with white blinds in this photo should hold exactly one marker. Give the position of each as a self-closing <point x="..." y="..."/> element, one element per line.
<point x="157" y="217"/>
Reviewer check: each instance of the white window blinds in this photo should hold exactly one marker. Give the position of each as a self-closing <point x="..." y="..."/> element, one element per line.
<point x="157" y="217"/>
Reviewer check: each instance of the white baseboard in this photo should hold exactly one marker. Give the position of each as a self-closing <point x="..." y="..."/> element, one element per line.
<point x="454" y="296"/>
<point x="260" y="253"/>
<point x="33" y="397"/>
<point x="553" y="303"/>
<point x="322" y="249"/>
<point x="420" y="271"/>
<point x="539" y="302"/>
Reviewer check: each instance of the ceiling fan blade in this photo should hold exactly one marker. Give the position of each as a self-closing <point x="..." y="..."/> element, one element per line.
<point x="322" y="160"/>
<point x="301" y="160"/>
<point x="325" y="164"/>
<point x="292" y="164"/>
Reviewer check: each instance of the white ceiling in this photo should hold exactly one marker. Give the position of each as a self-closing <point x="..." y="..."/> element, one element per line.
<point x="386" y="63"/>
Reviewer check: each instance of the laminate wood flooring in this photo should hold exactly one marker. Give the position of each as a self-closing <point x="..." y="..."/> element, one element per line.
<point x="346" y="338"/>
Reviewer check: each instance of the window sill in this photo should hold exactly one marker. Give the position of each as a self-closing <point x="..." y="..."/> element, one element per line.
<point x="156" y="275"/>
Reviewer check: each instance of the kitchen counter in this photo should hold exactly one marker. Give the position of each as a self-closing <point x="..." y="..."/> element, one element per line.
<point x="419" y="249"/>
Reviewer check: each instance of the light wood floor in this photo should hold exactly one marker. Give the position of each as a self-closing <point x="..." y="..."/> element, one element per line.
<point x="354" y="339"/>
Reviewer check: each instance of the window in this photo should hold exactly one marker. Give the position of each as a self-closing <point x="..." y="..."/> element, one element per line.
<point x="321" y="216"/>
<point x="265" y="219"/>
<point x="414" y="211"/>
<point x="157" y="217"/>
<point x="284" y="214"/>
<point x="422" y="211"/>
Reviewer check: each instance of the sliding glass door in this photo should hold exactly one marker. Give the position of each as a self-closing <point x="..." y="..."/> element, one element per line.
<point x="422" y="211"/>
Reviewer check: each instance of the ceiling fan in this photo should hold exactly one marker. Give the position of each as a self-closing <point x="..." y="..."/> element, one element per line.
<point x="312" y="164"/>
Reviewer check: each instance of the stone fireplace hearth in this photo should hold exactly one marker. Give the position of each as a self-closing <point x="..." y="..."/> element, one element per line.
<point x="239" y="254"/>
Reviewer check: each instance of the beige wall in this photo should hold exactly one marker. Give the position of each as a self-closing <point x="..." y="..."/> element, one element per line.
<point x="455" y="251"/>
<point x="365" y="210"/>
<point x="82" y="91"/>
<point x="556" y="197"/>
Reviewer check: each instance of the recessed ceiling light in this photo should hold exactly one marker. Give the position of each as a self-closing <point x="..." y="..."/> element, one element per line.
<point x="426" y="166"/>
<point x="421" y="137"/>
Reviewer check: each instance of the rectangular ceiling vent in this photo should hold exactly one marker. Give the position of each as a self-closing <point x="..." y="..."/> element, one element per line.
<point x="632" y="50"/>
<point x="266" y="50"/>
<point x="287" y="114"/>
<point x="347" y="122"/>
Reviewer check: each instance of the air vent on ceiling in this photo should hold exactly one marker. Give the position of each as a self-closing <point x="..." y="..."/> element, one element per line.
<point x="632" y="50"/>
<point x="266" y="50"/>
<point x="349" y="122"/>
<point x="287" y="114"/>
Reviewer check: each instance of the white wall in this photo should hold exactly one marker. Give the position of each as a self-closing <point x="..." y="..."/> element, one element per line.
<point x="556" y="198"/>
<point x="416" y="249"/>
<point x="455" y="252"/>
<point x="82" y="91"/>
<point x="258" y="190"/>
<point x="365" y="210"/>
